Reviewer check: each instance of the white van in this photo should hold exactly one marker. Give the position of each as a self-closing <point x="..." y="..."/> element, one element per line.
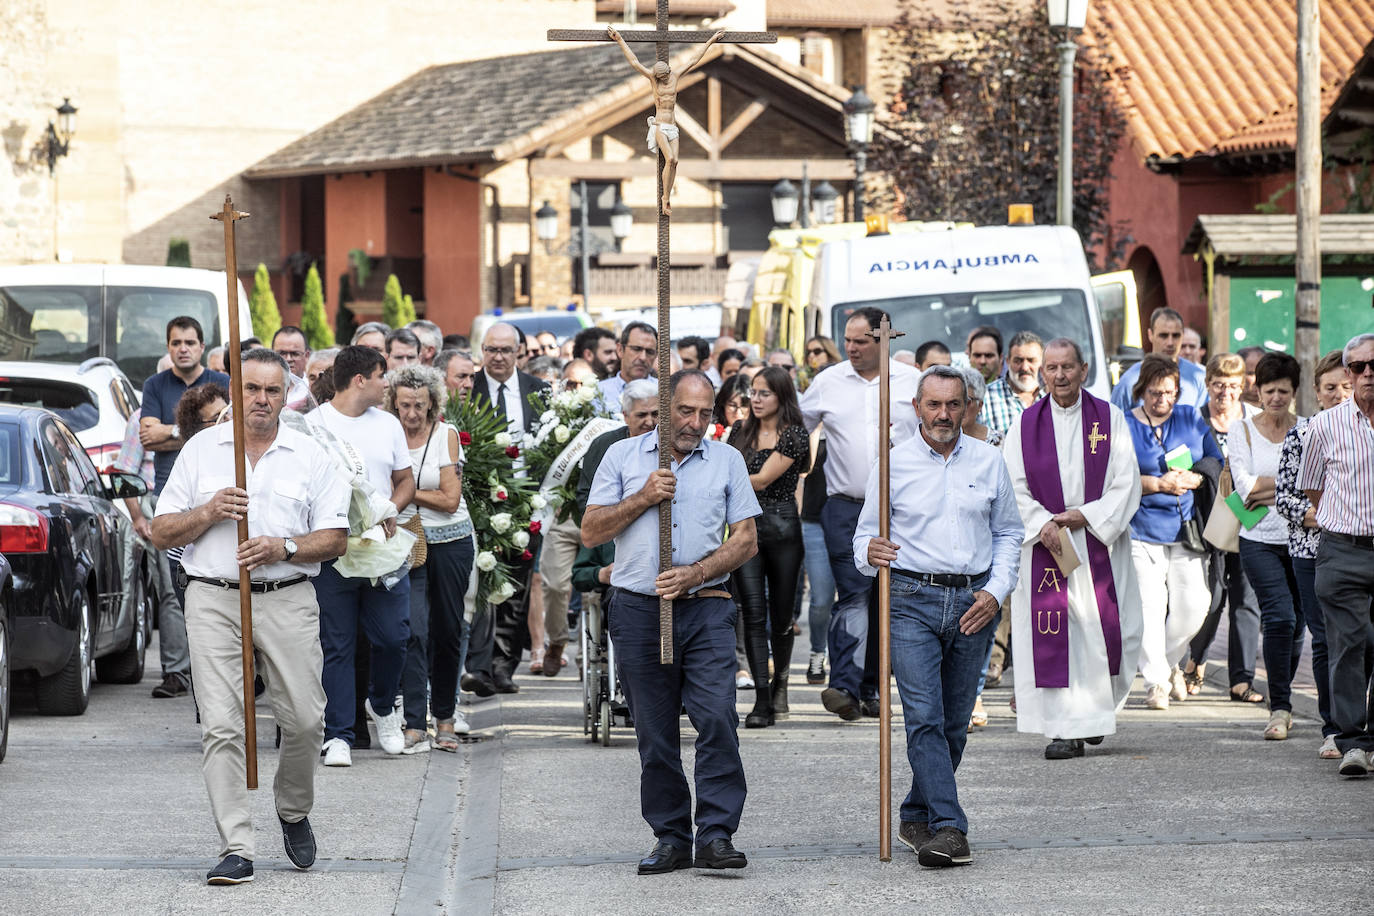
<point x="69" y="313"/>
<point x="942" y="285"/>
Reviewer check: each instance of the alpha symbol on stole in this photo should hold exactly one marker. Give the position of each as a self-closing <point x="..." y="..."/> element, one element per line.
<point x="1095" y="437"/>
<point x="1049" y="580"/>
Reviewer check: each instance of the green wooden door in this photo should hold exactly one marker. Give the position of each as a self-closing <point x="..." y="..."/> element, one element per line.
<point x="1262" y="310"/>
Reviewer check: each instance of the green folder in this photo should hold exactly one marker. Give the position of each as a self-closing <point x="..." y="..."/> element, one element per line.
<point x="1179" y="459"/>
<point x="1249" y="518"/>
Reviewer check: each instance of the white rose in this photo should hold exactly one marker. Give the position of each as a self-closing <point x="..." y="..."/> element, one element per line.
<point x="538" y="502"/>
<point x="502" y="440"/>
<point x="503" y="593"/>
<point x="561" y="434"/>
<point x="587" y="393"/>
<point x="521" y="539"/>
<point x="500" y="522"/>
<point x="486" y="561"/>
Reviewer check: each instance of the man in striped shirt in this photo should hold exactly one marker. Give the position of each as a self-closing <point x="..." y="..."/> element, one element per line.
<point x="1338" y="476"/>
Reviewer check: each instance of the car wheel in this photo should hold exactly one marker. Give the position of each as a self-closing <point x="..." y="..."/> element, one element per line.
<point x="68" y="692"/>
<point x="4" y="680"/>
<point x="126" y="665"/>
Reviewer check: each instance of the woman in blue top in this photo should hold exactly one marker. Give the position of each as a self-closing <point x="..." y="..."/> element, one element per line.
<point x="1174" y="594"/>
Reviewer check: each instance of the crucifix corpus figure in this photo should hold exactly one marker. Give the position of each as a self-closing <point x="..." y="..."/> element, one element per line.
<point x="663" y="129"/>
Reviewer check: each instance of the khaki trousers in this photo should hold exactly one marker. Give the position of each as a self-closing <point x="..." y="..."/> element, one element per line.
<point x="286" y="636"/>
<point x="555" y="568"/>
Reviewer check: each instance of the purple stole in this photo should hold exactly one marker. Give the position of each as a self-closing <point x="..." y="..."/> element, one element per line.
<point x="1049" y="592"/>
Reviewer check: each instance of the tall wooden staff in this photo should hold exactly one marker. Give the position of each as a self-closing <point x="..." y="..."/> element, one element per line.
<point x="229" y="216"/>
<point x="884" y="333"/>
<point x="662" y="38"/>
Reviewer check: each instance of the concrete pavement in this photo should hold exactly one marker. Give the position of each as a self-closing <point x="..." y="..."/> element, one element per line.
<point x="1187" y="809"/>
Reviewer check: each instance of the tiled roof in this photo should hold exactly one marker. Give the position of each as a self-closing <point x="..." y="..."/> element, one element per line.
<point x="1207" y="78"/>
<point x="460" y="112"/>
<point x="821" y="14"/>
<point x="644" y="9"/>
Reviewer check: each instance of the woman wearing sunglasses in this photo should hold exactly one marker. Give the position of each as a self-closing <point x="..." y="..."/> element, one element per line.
<point x="821" y="354"/>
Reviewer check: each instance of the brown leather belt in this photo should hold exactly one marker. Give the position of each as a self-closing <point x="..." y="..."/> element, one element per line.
<point x="700" y="593"/>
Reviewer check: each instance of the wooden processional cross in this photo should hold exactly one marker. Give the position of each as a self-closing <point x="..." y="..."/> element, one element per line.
<point x="234" y="366"/>
<point x="662" y="38"/>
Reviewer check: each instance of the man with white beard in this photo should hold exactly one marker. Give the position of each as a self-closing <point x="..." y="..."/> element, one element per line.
<point x="1075" y="629"/>
<point x="1019" y="387"/>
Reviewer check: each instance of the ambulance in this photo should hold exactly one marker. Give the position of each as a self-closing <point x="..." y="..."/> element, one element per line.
<point x="941" y="285"/>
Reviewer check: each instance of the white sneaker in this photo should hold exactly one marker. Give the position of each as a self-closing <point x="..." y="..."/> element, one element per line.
<point x="460" y="723"/>
<point x="1328" y="750"/>
<point x="743" y="681"/>
<point x="390" y="735"/>
<point x="1178" y="688"/>
<point x="337" y="753"/>
<point x="1355" y="763"/>
<point x="1157" y="697"/>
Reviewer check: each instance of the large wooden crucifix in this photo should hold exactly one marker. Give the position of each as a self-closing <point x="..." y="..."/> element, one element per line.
<point x="662" y="138"/>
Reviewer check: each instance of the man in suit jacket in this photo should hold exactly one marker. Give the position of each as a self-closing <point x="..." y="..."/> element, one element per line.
<point x="499" y="632"/>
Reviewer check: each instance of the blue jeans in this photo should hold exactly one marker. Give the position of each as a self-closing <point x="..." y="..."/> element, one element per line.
<point x="1305" y="571"/>
<point x="853" y="661"/>
<point x="937" y="670"/>
<point x="701" y="680"/>
<point x="1270" y="571"/>
<point x="818" y="573"/>
<point x="385" y="618"/>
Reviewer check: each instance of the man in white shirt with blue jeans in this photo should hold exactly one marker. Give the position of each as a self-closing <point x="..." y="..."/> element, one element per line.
<point x="297" y="518"/>
<point x="845" y="399"/>
<point x="346" y="602"/>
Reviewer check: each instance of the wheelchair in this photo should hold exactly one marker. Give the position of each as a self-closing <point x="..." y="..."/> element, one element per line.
<point x="602" y="699"/>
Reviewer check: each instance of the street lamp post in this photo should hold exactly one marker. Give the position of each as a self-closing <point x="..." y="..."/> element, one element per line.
<point x="58" y="138"/>
<point x="785" y="203"/>
<point x="1070" y="15"/>
<point x="584" y="245"/>
<point x="858" y="132"/>
<point x="823" y="200"/>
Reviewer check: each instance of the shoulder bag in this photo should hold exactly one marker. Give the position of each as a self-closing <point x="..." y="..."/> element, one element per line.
<point x="1223" y="528"/>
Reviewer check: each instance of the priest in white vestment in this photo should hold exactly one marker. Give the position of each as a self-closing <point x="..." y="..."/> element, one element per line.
<point x="1075" y="636"/>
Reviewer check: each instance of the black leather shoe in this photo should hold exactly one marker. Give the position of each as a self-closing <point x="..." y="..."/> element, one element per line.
<point x="759" y="718"/>
<point x="1094" y="741"/>
<point x="841" y="703"/>
<point x="872" y="709"/>
<point x="299" y="841"/>
<point x="231" y="870"/>
<point x="665" y="858"/>
<point x="915" y="834"/>
<point x="948" y="847"/>
<point x="720" y="854"/>
<point x="1064" y="749"/>
<point x="504" y="684"/>
<point x="478" y="683"/>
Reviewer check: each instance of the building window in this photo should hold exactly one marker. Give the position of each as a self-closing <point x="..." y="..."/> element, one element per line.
<point x="813" y="52"/>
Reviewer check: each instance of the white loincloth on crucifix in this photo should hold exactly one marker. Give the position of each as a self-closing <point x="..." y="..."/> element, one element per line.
<point x="1087" y="706"/>
<point x="669" y="130"/>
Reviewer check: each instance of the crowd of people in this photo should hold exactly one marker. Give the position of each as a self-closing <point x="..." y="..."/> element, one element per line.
<point x="1007" y="478"/>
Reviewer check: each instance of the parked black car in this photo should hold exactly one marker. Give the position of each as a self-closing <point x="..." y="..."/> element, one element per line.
<point x="5" y="589"/>
<point x="75" y="607"/>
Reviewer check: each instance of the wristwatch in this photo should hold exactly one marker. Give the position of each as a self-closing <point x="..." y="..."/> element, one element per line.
<point x="290" y="547"/>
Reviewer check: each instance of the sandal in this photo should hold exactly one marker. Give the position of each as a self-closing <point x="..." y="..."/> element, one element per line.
<point x="445" y="739"/>
<point x="1246" y="694"/>
<point x="536" y="663"/>
<point x="979" y="719"/>
<point x="1192" y="680"/>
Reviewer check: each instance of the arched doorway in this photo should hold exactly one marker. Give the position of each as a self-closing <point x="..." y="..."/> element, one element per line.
<point x="1149" y="285"/>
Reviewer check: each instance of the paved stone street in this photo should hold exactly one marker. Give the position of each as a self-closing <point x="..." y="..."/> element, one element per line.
<point x="1184" y="810"/>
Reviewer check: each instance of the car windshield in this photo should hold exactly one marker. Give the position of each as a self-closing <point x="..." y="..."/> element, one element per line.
<point x="75" y="404"/>
<point x="10" y="472"/>
<point x="949" y="317"/>
<point x="140" y="316"/>
<point x="65" y="324"/>
<point x="563" y="325"/>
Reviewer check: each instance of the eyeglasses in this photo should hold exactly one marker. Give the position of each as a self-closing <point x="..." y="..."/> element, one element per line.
<point x="1155" y="394"/>
<point x="1357" y="366"/>
<point x="816" y="352"/>
<point x="499" y="351"/>
<point x="788" y="366"/>
<point x="571" y="384"/>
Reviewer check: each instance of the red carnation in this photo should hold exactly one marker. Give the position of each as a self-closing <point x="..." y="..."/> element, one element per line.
<point x="526" y="556"/>
<point x="465" y="438"/>
<point x="535" y="527"/>
<point x="718" y="431"/>
<point x="512" y="451"/>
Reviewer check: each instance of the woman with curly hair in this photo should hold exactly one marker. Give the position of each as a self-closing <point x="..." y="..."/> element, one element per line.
<point x="416" y="395"/>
